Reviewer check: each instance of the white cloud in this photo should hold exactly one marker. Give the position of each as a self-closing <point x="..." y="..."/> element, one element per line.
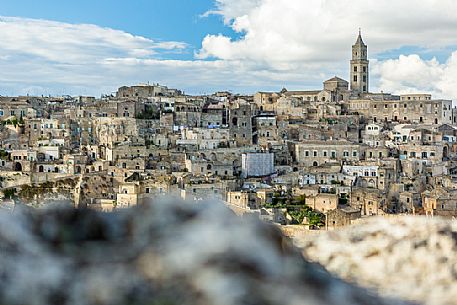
<point x="72" y="43"/>
<point x="47" y="57"/>
<point x="292" y="43"/>
<point x="315" y="36"/>
<point x="230" y="9"/>
<point x="411" y="73"/>
<point x="320" y="30"/>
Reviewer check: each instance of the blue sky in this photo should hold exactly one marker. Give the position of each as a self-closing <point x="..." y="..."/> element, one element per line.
<point x="171" y="20"/>
<point x="94" y="47"/>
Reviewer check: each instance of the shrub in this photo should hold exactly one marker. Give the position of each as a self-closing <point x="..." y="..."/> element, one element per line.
<point x="9" y="193"/>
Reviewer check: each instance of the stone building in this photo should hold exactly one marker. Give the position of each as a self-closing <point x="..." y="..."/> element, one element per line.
<point x="341" y="217"/>
<point x="265" y="130"/>
<point x="242" y="199"/>
<point x="409" y="202"/>
<point x="315" y="153"/>
<point x="325" y="174"/>
<point x="372" y="135"/>
<point x="145" y="91"/>
<point x="266" y="101"/>
<point x="204" y="139"/>
<point x="129" y="109"/>
<point x="214" y="115"/>
<point x="15" y="107"/>
<point x="441" y="202"/>
<point x="202" y="167"/>
<point x="240" y="122"/>
<point x="426" y="153"/>
<point x="127" y="195"/>
<point x="390" y="108"/>
<point x="187" y="114"/>
<point x="203" y="191"/>
<point x="339" y="89"/>
<point x="359" y="67"/>
<point x="368" y="201"/>
<point x="365" y="176"/>
<point x="322" y="202"/>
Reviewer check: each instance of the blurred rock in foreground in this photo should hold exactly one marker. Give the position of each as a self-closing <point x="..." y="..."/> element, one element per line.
<point x="159" y="254"/>
<point x="412" y="258"/>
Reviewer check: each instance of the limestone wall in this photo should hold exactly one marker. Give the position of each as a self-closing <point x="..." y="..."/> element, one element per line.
<point x="408" y="257"/>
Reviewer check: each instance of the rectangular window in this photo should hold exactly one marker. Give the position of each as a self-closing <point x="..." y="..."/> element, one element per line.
<point x="355" y="78"/>
<point x="355" y="69"/>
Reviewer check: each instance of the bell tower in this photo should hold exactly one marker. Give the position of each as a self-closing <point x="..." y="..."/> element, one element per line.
<point x="359" y="67"/>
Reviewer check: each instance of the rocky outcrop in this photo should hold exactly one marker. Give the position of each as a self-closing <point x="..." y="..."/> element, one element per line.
<point x="158" y="254"/>
<point x="413" y="258"/>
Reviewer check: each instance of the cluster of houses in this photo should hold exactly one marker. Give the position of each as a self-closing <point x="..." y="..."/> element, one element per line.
<point x="345" y="152"/>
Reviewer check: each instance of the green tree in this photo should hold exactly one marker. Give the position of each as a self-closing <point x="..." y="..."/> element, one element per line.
<point x="315" y="219"/>
<point x="4" y="155"/>
<point x="9" y="193"/>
